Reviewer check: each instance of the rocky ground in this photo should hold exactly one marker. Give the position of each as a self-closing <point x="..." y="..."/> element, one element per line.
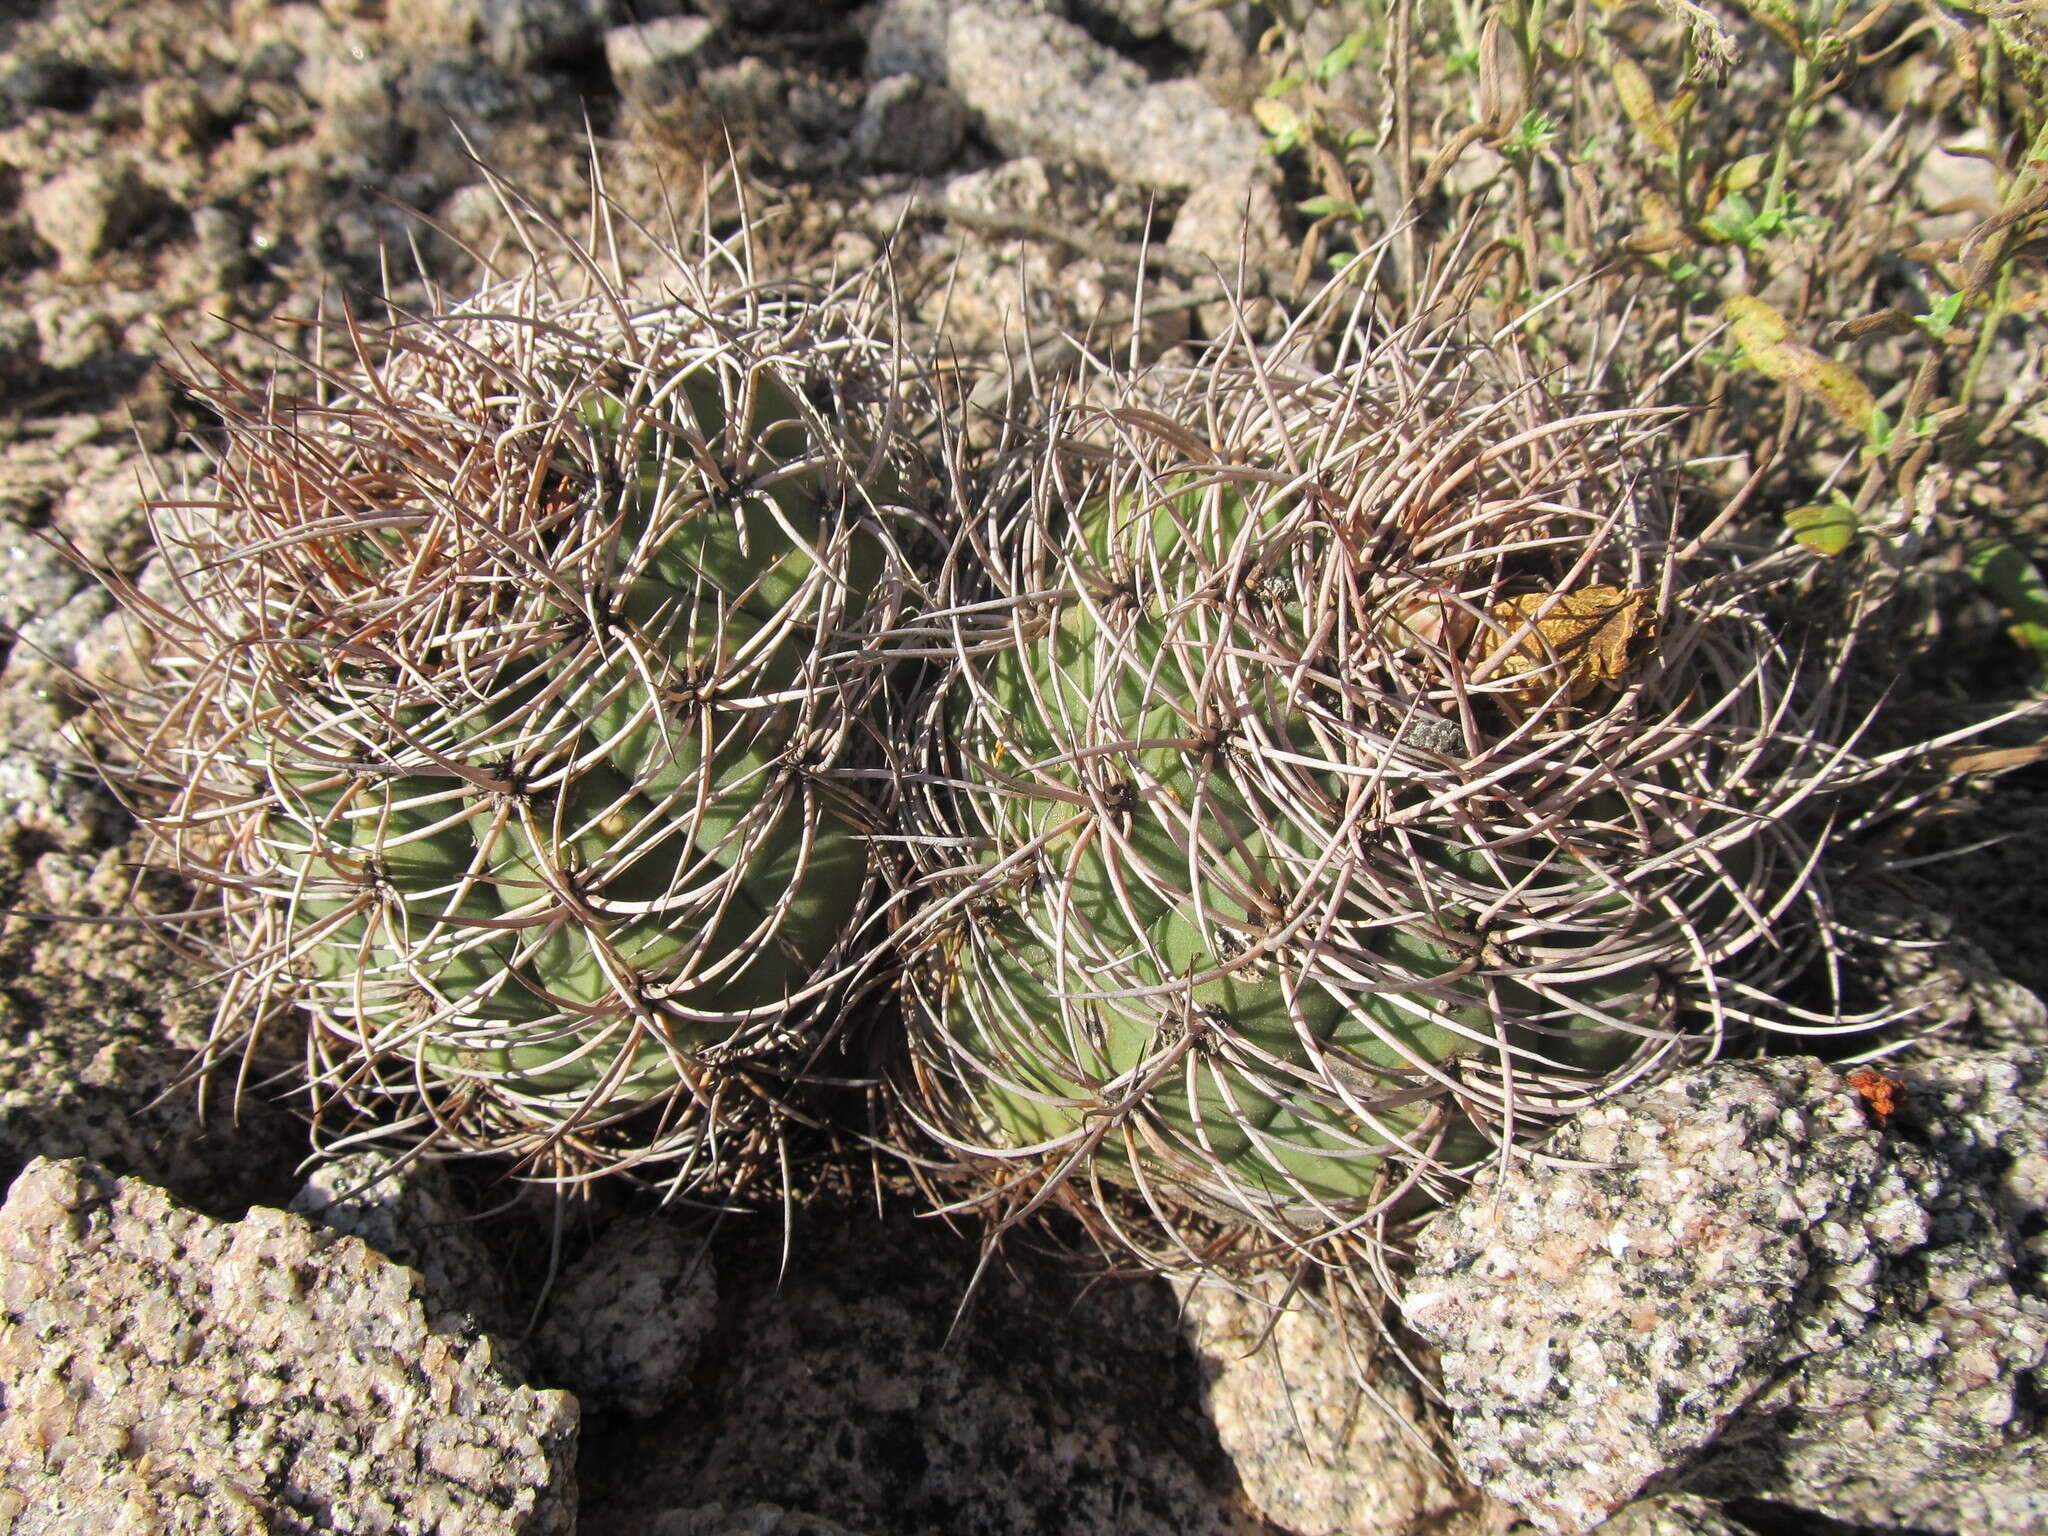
<point x="197" y="178"/>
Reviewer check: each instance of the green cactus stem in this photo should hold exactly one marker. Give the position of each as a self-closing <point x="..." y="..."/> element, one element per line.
<point x="522" y="693"/>
<point x="1342" y="780"/>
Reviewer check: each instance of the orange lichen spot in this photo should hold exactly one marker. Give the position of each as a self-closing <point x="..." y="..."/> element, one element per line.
<point x="1881" y="1095"/>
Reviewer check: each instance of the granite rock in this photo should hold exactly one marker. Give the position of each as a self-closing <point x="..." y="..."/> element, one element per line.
<point x="653" y="61"/>
<point x="908" y="37"/>
<point x="849" y="1384"/>
<point x="21" y="354"/>
<point x="1760" y="1278"/>
<point x="1911" y="1398"/>
<point x="1672" y="1514"/>
<point x="908" y="124"/>
<point x="43" y="81"/>
<point x="1040" y="85"/>
<point x="751" y="1520"/>
<point x="1919" y="963"/>
<point x="100" y="1022"/>
<point x="1222" y="33"/>
<point x="35" y="580"/>
<point x="113" y="1088"/>
<point x="1324" y="1444"/>
<point x="625" y="1323"/>
<point x="166" y="1372"/>
<point x="1231" y="222"/>
<point x="407" y="1211"/>
<point x="519" y="35"/>
<point x="84" y="213"/>
<point x="773" y="15"/>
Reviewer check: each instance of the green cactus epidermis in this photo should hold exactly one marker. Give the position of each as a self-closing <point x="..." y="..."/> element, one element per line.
<point x="648" y="808"/>
<point x="1144" y="931"/>
<point x="763" y="546"/>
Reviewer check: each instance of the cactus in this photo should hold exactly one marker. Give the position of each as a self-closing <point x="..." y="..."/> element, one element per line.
<point x="1343" y="778"/>
<point x="519" y="696"/>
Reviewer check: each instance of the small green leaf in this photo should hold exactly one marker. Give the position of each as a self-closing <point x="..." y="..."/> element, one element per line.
<point x="1283" y="125"/>
<point x="1942" y="315"/>
<point x="1339" y="58"/>
<point x="1733" y="220"/>
<point x="1325" y="207"/>
<point x="1829" y="527"/>
<point x="1531" y="136"/>
<point x="2010" y="577"/>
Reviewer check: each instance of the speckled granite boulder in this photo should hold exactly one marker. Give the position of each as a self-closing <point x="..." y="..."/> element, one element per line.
<point x="1749" y="1279"/>
<point x="844" y="1382"/>
<point x="625" y="1322"/>
<point x="1324" y="1445"/>
<point x="407" y="1211"/>
<point x="168" y="1373"/>
<point x="1672" y="1514"/>
<point x="1926" y="1417"/>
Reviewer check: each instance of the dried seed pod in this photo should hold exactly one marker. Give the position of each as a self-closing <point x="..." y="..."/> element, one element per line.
<point x="519" y="694"/>
<point x="1342" y="779"/>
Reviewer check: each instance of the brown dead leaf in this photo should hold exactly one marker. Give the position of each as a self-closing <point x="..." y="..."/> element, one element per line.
<point x="1765" y="338"/>
<point x="1992" y="759"/>
<point x="1588" y="638"/>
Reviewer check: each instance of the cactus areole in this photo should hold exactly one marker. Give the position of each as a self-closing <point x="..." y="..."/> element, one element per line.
<point x="513" y="692"/>
<point x="1349" y="784"/>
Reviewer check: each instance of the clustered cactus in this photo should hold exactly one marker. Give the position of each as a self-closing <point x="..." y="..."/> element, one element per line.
<point x="1306" y="772"/>
<point x="519" y="695"/>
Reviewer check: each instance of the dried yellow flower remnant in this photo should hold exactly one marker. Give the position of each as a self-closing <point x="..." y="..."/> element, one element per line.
<point x="1583" y="639"/>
